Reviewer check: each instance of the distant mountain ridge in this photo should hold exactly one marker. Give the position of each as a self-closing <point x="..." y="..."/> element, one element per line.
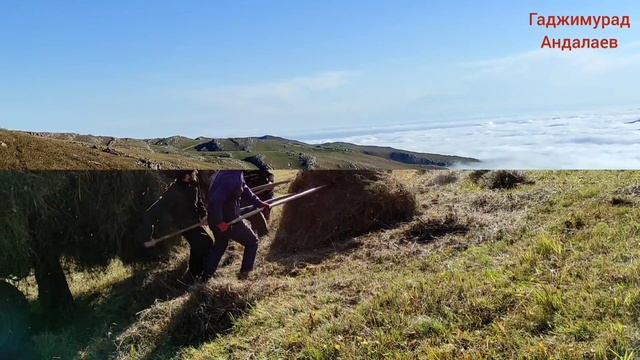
<point x="177" y="151"/>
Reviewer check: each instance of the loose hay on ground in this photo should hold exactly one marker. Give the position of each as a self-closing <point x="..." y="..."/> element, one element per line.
<point x="429" y="229"/>
<point x="204" y="312"/>
<point x="354" y="203"/>
<point x="209" y="311"/>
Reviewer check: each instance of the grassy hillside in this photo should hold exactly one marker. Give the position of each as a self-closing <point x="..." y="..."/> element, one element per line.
<point x="545" y="270"/>
<point x="408" y="157"/>
<point x="20" y="151"/>
<point x="284" y="153"/>
<point x="24" y="151"/>
<point x="74" y="151"/>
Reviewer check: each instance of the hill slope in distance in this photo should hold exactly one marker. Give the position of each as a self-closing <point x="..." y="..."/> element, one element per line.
<point x="70" y="151"/>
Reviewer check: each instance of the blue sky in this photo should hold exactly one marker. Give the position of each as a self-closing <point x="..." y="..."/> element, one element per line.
<point x="235" y="68"/>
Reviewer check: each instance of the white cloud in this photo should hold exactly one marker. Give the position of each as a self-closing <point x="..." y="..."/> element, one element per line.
<point x="531" y="82"/>
<point x="271" y="97"/>
<point x="606" y="140"/>
<point x="535" y="81"/>
<point x="584" y="61"/>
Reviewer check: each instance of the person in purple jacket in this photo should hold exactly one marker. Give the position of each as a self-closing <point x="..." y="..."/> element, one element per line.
<point x="227" y="190"/>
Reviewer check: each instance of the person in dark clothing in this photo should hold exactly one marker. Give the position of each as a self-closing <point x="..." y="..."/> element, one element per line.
<point x="183" y="204"/>
<point x="255" y="178"/>
<point x="228" y="189"/>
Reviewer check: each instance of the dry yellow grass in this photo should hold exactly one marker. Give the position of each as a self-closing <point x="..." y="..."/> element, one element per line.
<point x="545" y="270"/>
<point x="22" y="151"/>
<point x="27" y="152"/>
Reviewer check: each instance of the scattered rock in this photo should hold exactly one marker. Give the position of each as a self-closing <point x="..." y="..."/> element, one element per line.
<point x="259" y="160"/>
<point x="213" y="145"/>
<point x="309" y="162"/>
<point x="112" y="151"/>
<point x="413" y="159"/>
<point x="149" y="164"/>
<point x="170" y="141"/>
<point x="243" y="144"/>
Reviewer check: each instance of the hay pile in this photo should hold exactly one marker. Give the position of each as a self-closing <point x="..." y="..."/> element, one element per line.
<point x="88" y="216"/>
<point x="83" y="217"/>
<point x="354" y="203"/>
<point x="500" y="179"/>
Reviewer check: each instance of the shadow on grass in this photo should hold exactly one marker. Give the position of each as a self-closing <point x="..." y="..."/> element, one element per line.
<point x="98" y="322"/>
<point x="293" y="262"/>
<point x="95" y="320"/>
<point x="208" y="312"/>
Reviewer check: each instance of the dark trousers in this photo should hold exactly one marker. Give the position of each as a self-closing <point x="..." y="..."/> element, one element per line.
<point x="259" y="224"/>
<point x="240" y="233"/>
<point x="200" y="253"/>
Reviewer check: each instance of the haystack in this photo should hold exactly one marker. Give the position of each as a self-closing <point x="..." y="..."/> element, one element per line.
<point x="84" y="217"/>
<point x="352" y="204"/>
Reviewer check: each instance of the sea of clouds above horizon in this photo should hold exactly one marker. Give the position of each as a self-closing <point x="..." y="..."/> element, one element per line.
<point x="605" y="140"/>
